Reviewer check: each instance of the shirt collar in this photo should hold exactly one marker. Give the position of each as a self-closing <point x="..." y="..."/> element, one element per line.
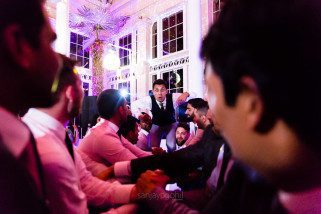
<point x="164" y="103"/>
<point x="111" y="125"/>
<point x="144" y="132"/>
<point x="47" y="123"/>
<point x="15" y="135"/>
<point x="302" y="202"/>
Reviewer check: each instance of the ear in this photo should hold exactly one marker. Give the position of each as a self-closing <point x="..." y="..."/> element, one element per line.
<point x="19" y="49"/>
<point x="251" y="102"/>
<point x="69" y="93"/>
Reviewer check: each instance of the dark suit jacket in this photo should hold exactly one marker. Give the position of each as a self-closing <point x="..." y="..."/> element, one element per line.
<point x="245" y="192"/>
<point x="17" y="189"/>
<point x="179" y="163"/>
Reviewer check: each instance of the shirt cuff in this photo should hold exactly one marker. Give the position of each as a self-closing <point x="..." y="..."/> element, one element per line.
<point x="122" y="194"/>
<point x="122" y="169"/>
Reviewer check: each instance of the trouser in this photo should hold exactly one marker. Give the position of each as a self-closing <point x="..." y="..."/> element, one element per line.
<point x="157" y="132"/>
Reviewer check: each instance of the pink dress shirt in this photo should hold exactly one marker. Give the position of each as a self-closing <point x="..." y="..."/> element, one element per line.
<point x="102" y="146"/>
<point x="68" y="184"/>
<point x="193" y="140"/>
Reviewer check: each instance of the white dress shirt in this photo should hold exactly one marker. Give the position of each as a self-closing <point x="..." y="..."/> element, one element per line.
<point x="68" y="184"/>
<point x="145" y="104"/>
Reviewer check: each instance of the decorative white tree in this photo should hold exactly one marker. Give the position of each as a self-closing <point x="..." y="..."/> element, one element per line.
<point x="98" y="24"/>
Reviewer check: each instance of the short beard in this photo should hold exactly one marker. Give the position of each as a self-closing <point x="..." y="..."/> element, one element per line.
<point x="180" y="143"/>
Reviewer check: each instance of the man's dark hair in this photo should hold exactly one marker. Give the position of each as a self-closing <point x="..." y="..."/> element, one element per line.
<point x="108" y="103"/>
<point x="198" y="103"/>
<point x="129" y="125"/>
<point x="67" y="76"/>
<point x="184" y="126"/>
<point x="160" y="82"/>
<point x="26" y="14"/>
<point x="278" y="44"/>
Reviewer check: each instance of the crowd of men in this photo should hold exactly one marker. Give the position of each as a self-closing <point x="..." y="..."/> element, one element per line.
<point x="256" y="148"/>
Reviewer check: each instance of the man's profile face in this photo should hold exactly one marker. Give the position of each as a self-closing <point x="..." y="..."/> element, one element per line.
<point x="190" y="111"/>
<point x="43" y="68"/>
<point x="78" y="98"/>
<point x="160" y="92"/>
<point x="230" y="118"/>
<point x="181" y="135"/>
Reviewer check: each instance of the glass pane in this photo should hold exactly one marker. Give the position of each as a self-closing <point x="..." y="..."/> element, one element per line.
<point x="121" y="42"/>
<point x="179" y="78"/>
<point x="165" y="23"/>
<point x="179" y="30"/>
<point x="154" y="40"/>
<point x="86" y="53"/>
<point x="129" y="46"/>
<point x="129" y="39"/>
<point x="73" y="37"/>
<point x="165" y="36"/>
<point x="121" y="53"/>
<point x="125" y="61"/>
<point x="166" y="78"/>
<point x="80" y="39"/>
<point x="165" y="49"/>
<point x="80" y="60"/>
<point x="86" y="62"/>
<point x="154" y="77"/>
<point x="180" y="44"/>
<point x="179" y="17"/>
<point x="154" y="52"/>
<point x="79" y="50"/>
<point x="126" y="53"/>
<point x="172" y="33"/>
<point x="154" y="30"/>
<point x="72" y="56"/>
<point x="173" y="46"/>
<point x="172" y="21"/>
<point x="172" y="80"/>
<point x="73" y="48"/>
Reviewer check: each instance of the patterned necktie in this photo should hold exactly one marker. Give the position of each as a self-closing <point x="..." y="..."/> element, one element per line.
<point x="162" y="106"/>
<point x="69" y="146"/>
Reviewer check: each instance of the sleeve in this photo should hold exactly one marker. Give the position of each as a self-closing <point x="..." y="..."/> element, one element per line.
<point x="134" y="149"/>
<point x="177" y="95"/>
<point x="122" y="169"/>
<point x="62" y="184"/>
<point x="198" y="136"/>
<point x="111" y="149"/>
<point x="174" y="164"/>
<point x="142" y="105"/>
<point x="101" y="193"/>
<point x="162" y="202"/>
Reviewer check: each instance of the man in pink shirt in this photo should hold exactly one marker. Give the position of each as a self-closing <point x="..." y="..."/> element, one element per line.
<point x="103" y="144"/>
<point x="70" y="188"/>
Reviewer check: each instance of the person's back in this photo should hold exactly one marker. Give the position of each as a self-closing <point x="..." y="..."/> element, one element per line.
<point x="28" y="69"/>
